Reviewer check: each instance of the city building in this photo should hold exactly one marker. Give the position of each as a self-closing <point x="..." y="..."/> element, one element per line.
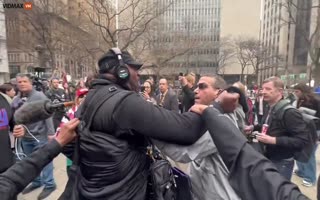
<point x="4" y="69"/>
<point x="49" y="39"/>
<point x="186" y="37"/>
<point x="284" y="30"/>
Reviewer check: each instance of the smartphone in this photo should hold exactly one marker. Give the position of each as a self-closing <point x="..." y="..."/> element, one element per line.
<point x="142" y="88"/>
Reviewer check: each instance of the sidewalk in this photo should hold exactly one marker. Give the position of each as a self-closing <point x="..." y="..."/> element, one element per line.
<point x="60" y="176"/>
<point x="61" y="180"/>
<point x="310" y="192"/>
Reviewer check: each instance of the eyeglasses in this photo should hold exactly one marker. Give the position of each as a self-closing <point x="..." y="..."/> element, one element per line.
<point x="202" y="86"/>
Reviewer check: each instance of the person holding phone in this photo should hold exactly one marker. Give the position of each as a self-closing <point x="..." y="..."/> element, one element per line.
<point x="188" y="86"/>
<point x="147" y="92"/>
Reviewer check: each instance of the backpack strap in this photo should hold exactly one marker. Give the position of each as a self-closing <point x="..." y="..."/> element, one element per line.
<point x="91" y="106"/>
<point x="96" y="100"/>
<point x="280" y="108"/>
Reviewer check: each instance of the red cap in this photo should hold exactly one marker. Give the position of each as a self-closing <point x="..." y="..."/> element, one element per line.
<point x="81" y="92"/>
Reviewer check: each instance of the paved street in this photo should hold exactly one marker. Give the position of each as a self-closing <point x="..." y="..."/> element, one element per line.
<point x="311" y="192"/>
<point x="61" y="178"/>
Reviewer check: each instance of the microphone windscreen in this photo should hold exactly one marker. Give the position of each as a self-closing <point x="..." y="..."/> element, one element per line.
<point x="31" y="112"/>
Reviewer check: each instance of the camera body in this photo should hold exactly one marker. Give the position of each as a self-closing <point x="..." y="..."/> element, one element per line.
<point x="37" y="84"/>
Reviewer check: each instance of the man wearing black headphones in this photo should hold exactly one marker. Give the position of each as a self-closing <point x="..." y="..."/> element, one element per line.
<point x="116" y="123"/>
<point x="112" y="146"/>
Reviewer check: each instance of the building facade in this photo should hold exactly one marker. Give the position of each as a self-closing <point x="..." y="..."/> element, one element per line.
<point x="191" y="30"/>
<point x="47" y="40"/>
<point x="284" y="30"/>
<point x="4" y="67"/>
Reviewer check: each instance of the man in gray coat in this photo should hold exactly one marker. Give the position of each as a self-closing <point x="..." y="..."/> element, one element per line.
<point x="41" y="132"/>
<point x="208" y="173"/>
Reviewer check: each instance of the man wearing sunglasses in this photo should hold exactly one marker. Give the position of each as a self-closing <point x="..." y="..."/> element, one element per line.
<point x="252" y="175"/>
<point x="209" y="175"/>
<point x="113" y="161"/>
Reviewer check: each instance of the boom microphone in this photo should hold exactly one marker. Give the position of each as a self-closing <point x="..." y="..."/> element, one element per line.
<point x="35" y="111"/>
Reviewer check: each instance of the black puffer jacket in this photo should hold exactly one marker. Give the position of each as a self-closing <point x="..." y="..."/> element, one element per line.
<point x="113" y="161"/>
<point x="290" y="132"/>
<point x="187" y="97"/>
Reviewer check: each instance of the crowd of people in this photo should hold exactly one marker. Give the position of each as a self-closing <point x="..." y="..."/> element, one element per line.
<point x="13" y="96"/>
<point x="235" y="147"/>
<point x="254" y="111"/>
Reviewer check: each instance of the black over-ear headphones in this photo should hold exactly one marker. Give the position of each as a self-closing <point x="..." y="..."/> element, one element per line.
<point x="121" y="70"/>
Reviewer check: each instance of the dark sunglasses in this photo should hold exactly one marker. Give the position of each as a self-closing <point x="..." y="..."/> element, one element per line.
<point x="202" y="86"/>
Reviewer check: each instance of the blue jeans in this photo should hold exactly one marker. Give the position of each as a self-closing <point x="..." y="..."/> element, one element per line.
<point x="46" y="176"/>
<point x="308" y="171"/>
<point x="284" y="167"/>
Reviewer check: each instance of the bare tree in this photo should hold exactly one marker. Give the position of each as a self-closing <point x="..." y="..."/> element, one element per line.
<point x="310" y="34"/>
<point x="250" y="52"/>
<point x="169" y="49"/>
<point x="164" y="48"/>
<point x="42" y="31"/>
<point x="259" y="54"/>
<point x="121" y="25"/>
<point x="242" y="46"/>
<point x="226" y="53"/>
<point x="47" y="33"/>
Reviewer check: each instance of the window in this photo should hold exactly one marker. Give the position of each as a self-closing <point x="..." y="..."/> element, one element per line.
<point x="14" y="70"/>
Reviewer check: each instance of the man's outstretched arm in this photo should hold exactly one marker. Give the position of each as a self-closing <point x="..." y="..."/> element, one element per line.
<point x="17" y="177"/>
<point x="251" y="175"/>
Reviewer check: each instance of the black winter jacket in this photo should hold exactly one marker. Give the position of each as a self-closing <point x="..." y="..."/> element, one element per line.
<point x="289" y="139"/>
<point x="113" y="161"/>
<point x="187" y="98"/>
